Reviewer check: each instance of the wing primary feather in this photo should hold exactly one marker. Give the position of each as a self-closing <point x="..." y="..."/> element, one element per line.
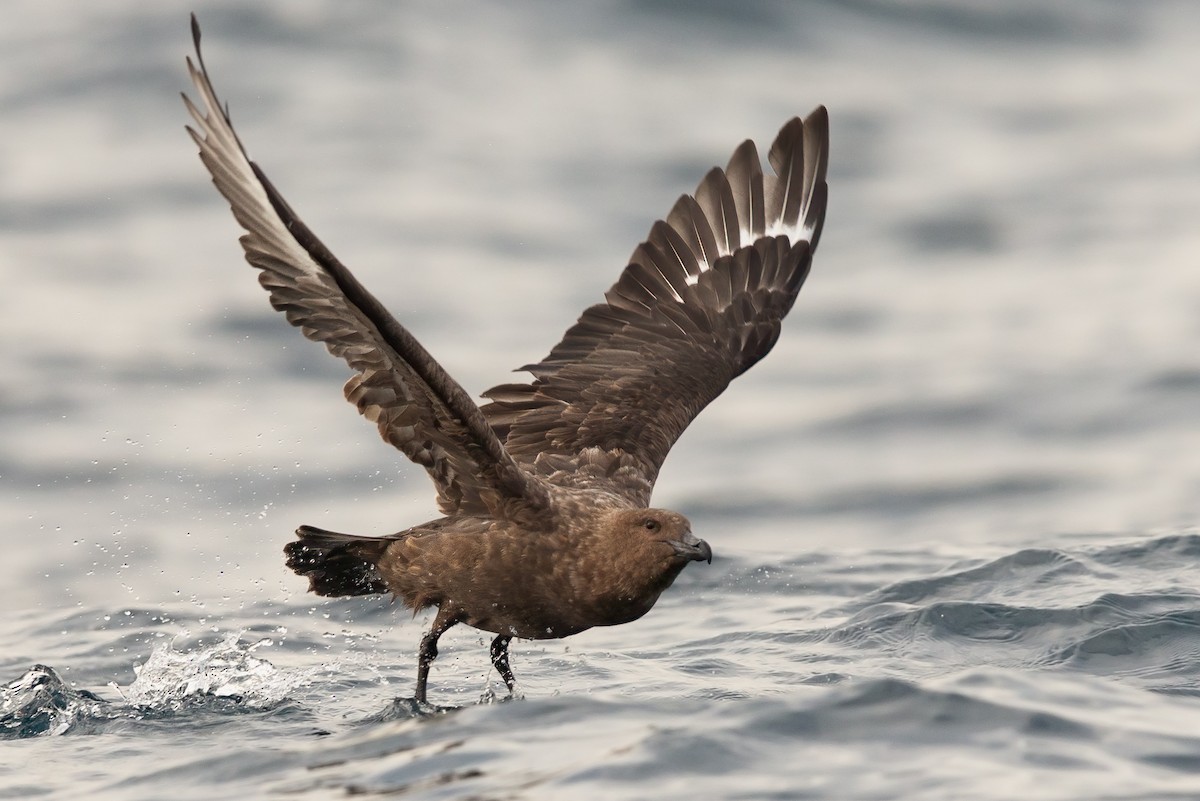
<point x="680" y="262"/>
<point x="661" y="265"/>
<point x="715" y="198"/>
<point x="691" y="223"/>
<point x="746" y="181"/>
<point x="816" y="166"/>
<point x="787" y="157"/>
<point x="644" y="269"/>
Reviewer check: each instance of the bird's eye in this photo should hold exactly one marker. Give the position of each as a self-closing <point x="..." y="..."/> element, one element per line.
<point x="651" y="524"/>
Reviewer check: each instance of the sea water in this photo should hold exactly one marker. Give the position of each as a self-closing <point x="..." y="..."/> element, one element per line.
<point x="954" y="512"/>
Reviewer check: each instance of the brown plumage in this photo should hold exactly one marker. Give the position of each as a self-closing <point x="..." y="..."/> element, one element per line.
<point x="545" y="489"/>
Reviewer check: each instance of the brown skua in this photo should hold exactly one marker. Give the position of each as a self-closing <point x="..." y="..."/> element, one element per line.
<point x="544" y="491"/>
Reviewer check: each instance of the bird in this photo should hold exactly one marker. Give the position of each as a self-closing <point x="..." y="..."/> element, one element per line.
<point x="546" y="528"/>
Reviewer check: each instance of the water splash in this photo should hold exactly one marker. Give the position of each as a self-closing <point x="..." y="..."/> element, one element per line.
<point x="40" y="703"/>
<point x="170" y="679"/>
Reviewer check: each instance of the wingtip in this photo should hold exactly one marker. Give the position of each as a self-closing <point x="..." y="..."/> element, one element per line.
<point x="791" y="125"/>
<point x="196" y="43"/>
<point x="816" y="124"/>
<point x="746" y="151"/>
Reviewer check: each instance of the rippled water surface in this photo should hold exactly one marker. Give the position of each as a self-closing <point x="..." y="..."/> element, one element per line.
<point x="954" y="513"/>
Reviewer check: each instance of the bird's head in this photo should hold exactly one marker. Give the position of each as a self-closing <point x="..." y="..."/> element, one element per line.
<point x="665" y="534"/>
<point x="634" y="554"/>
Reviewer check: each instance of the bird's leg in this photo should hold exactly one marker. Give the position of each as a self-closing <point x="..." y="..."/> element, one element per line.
<point x="425" y="657"/>
<point x="500" y="660"/>
<point x="429" y="650"/>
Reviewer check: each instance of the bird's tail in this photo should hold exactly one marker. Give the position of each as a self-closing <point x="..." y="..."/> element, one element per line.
<point x="337" y="564"/>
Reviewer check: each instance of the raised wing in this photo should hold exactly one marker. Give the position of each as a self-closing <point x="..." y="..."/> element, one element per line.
<point x="418" y="407"/>
<point x="700" y="303"/>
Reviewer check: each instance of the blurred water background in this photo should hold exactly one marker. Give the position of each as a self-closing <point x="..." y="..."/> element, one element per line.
<point x="954" y="512"/>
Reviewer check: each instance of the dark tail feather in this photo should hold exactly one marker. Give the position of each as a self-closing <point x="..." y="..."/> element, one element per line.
<point x="337" y="564"/>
